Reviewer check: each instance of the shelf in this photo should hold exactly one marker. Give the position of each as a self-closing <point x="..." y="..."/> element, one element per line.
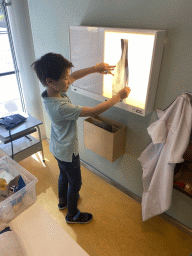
<point x="22" y="147"/>
<point x="184" y="175"/>
<point x="182" y="191"/>
<point x="19" y="135"/>
<point x="24" y="144"/>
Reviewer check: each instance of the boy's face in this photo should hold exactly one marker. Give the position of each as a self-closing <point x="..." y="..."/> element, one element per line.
<point x="62" y="85"/>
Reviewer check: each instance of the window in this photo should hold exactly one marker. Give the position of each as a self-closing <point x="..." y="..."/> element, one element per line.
<point x="11" y="96"/>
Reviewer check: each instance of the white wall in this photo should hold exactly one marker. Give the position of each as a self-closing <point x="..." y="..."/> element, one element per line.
<point x="50" y="20"/>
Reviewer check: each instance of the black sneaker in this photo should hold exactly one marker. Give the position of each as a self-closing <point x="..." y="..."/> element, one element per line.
<point x="64" y="206"/>
<point x="80" y="218"/>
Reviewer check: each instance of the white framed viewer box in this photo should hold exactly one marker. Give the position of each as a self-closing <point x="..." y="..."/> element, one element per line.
<point x="137" y="54"/>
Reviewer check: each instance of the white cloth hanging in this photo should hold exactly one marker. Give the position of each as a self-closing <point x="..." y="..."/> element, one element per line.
<point x="170" y="136"/>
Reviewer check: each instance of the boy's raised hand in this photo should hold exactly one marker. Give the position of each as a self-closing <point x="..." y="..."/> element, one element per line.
<point x="105" y="68"/>
<point x="124" y="93"/>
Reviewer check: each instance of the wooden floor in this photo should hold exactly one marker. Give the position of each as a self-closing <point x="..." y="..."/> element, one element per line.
<point x="116" y="228"/>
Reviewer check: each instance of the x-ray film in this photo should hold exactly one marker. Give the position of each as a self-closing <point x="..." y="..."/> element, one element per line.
<point x="120" y="79"/>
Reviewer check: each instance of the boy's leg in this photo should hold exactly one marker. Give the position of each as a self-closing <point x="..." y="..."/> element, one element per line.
<point x="73" y="173"/>
<point x="74" y="178"/>
<point x="62" y="183"/>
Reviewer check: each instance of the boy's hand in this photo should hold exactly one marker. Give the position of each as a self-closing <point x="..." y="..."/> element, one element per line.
<point x="104" y="68"/>
<point x="124" y="93"/>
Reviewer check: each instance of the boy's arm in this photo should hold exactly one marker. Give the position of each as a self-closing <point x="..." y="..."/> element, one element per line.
<point x="102" y="107"/>
<point x="102" y="68"/>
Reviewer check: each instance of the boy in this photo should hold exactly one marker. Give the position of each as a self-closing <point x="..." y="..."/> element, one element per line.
<point x="53" y="70"/>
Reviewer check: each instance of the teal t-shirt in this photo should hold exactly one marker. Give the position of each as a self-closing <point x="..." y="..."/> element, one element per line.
<point x="63" y="116"/>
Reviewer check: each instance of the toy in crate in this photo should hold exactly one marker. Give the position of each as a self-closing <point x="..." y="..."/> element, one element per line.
<point x="9" y="184"/>
<point x="17" y="189"/>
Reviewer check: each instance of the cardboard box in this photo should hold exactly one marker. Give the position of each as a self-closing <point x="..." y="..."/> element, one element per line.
<point x="105" y="137"/>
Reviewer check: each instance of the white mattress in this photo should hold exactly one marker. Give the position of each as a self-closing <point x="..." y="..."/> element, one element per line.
<point x="40" y="235"/>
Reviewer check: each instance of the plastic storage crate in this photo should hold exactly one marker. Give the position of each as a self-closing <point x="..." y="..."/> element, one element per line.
<point x="22" y="199"/>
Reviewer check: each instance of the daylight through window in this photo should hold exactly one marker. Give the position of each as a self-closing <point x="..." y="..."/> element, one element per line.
<point x="11" y="98"/>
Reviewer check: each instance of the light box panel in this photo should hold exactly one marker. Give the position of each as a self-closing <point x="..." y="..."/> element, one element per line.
<point x="137" y="54"/>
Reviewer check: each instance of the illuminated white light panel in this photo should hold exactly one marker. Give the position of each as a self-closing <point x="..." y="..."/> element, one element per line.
<point x="139" y="63"/>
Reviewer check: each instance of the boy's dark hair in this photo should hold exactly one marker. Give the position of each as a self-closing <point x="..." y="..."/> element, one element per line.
<point x="50" y="65"/>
